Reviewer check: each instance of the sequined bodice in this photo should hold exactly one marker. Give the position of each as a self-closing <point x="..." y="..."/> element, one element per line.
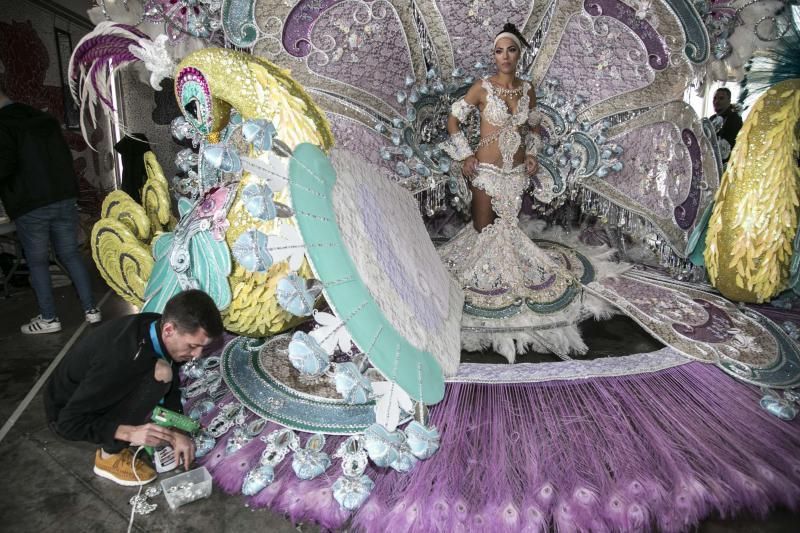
<point x="497" y="112"/>
<point x="507" y="124"/>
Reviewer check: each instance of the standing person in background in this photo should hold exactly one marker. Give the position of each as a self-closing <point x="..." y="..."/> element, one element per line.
<point x="726" y="121"/>
<point x="38" y="188"/>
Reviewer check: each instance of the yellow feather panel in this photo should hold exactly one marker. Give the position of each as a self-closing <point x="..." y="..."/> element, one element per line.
<point x="155" y="194"/>
<point x="118" y="205"/>
<point x="123" y="261"/>
<point x="254" y="309"/>
<point x="754" y="221"/>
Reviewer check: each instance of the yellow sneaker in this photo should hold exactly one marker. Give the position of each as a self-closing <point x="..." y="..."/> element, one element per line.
<point x="119" y="469"/>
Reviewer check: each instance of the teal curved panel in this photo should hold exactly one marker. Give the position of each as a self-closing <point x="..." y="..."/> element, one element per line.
<point x="697" y="47"/>
<point x="239" y="22"/>
<point x="163" y="283"/>
<point x="211" y="266"/>
<point x="782" y="373"/>
<point x="311" y="182"/>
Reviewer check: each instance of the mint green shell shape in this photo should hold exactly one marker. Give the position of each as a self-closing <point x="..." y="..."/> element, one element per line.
<point x="311" y="181"/>
<point x="210" y="266"/>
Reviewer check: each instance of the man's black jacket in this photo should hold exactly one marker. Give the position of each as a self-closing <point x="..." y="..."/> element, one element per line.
<point x="35" y="162"/>
<point x="732" y="123"/>
<point x="99" y="372"/>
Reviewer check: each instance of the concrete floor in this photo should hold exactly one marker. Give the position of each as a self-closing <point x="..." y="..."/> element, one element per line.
<point x="50" y="486"/>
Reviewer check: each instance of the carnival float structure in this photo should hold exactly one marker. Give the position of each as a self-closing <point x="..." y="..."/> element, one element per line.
<point x="309" y="204"/>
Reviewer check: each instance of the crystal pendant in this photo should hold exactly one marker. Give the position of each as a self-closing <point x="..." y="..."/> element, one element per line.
<point x="423" y="170"/>
<point x="402" y="169"/>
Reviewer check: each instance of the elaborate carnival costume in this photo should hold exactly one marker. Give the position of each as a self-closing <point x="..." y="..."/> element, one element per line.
<point x="303" y="425"/>
<point x="519" y="295"/>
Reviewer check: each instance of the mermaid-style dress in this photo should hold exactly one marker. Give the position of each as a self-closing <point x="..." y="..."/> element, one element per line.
<point x="519" y="294"/>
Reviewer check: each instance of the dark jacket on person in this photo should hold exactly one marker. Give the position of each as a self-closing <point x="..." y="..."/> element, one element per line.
<point x="731" y="124"/>
<point x="98" y="373"/>
<point x="35" y="162"/>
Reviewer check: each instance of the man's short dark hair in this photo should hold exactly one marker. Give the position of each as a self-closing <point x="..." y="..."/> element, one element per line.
<point x="3" y="84"/>
<point x="193" y="309"/>
<point x="724" y="90"/>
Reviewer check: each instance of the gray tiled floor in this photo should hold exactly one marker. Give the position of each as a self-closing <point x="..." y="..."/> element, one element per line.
<point x="49" y="485"/>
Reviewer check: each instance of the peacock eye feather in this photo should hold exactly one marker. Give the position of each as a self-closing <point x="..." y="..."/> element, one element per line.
<point x="195" y="100"/>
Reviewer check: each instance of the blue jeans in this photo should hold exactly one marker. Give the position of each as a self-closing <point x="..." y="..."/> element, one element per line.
<point x="56" y="223"/>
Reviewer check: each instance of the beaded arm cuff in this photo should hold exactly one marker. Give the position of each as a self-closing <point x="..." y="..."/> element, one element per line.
<point x="457" y="147"/>
<point x="461" y="109"/>
<point x="533" y="142"/>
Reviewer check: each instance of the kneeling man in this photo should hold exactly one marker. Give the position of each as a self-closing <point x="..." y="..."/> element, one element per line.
<point x="109" y="382"/>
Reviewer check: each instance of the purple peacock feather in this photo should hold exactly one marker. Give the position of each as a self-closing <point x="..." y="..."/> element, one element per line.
<point x="94" y="61"/>
<point x="660" y="450"/>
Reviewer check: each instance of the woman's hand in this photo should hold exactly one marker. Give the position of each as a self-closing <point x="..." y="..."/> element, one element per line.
<point x="470" y="164"/>
<point x="531" y="165"/>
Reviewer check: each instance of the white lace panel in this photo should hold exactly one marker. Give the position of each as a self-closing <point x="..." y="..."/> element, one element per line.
<point x="533" y="142"/>
<point x="497" y="112"/>
<point x="461" y="109"/>
<point x="457" y="147"/>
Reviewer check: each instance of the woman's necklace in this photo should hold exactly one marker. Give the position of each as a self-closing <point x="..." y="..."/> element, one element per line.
<point x="502" y="91"/>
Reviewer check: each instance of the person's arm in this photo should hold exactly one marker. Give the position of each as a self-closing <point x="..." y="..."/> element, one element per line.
<point x="8" y="156"/>
<point x="106" y="383"/>
<point x="457" y="146"/>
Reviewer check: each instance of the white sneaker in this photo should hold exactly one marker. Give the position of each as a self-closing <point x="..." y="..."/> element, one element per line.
<point x="93" y="315"/>
<point x="39" y="325"/>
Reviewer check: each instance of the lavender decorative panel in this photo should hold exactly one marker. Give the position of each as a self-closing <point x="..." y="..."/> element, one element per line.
<point x="382" y="223"/>
<point x="363" y="45"/>
<point x="299" y="22"/>
<point x="599" y="58"/>
<point x="717" y="328"/>
<point x="686" y="213"/>
<point x="354" y="136"/>
<point x="472" y="25"/>
<point x="657" y="171"/>
<point x="658" y="55"/>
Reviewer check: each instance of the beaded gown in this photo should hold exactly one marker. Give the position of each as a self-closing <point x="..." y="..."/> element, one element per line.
<point x="520" y="294"/>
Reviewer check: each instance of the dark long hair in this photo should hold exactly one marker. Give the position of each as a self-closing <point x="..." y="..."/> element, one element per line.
<point x="512" y="29"/>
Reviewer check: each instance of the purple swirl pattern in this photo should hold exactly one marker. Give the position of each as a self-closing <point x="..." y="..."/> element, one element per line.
<point x="686" y="213"/>
<point x="299" y="24"/>
<point x="717" y="328"/>
<point x="658" y="55"/>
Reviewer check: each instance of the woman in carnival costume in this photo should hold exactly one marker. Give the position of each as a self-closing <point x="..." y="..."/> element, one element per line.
<point x="519" y="295"/>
